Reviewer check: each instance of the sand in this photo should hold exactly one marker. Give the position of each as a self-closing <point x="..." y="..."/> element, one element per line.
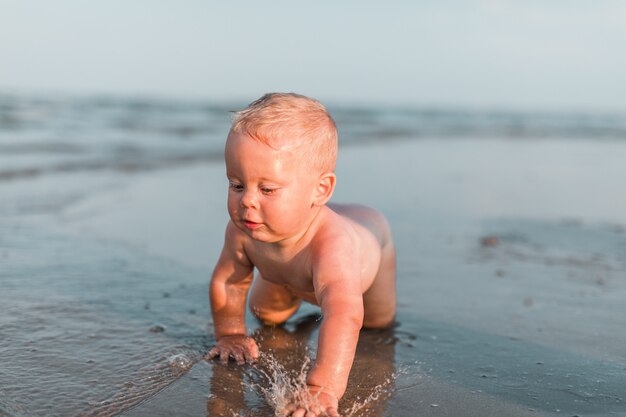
<point x="527" y="322"/>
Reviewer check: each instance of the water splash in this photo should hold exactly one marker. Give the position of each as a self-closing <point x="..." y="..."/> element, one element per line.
<point x="180" y="362"/>
<point x="280" y="387"/>
<point x="380" y="392"/>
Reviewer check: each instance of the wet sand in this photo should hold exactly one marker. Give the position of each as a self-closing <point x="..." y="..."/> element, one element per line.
<point x="529" y="322"/>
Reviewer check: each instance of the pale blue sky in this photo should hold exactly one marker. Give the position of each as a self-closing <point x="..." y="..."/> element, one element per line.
<point x="527" y="54"/>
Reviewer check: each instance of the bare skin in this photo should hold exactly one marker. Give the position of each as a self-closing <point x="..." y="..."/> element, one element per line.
<point x="340" y="257"/>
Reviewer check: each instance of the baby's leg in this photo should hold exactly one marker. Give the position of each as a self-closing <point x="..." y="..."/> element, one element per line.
<point x="379" y="301"/>
<point x="271" y="303"/>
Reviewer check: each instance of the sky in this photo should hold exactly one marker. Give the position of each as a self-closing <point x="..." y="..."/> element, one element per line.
<point x="515" y="54"/>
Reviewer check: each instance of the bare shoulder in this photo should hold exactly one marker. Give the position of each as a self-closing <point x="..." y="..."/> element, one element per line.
<point x="336" y="256"/>
<point x="235" y="243"/>
<point x="335" y="241"/>
<point x="351" y="230"/>
<point x="369" y="218"/>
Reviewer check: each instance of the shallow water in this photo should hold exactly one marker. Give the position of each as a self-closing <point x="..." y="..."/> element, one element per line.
<point x="76" y="324"/>
<point x="97" y="328"/>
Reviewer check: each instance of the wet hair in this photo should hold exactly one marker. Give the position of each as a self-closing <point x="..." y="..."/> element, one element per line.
<point x="291" y="120"/>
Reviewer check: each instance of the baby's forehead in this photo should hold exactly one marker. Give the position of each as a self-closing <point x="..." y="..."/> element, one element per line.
<point x="281" y="146"/>
<point x="288" y="140"/>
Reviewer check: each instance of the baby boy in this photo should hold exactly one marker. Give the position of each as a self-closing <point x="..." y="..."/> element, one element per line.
<point x="280" y="160"/>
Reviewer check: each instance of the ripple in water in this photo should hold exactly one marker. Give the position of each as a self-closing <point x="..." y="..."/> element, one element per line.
<point x="150" y="381"/>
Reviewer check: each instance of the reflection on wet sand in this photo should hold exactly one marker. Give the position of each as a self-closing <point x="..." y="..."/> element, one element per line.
<point x="372" y="380"/>
<point x="287" y="349"/>
<point x="227" y="393"/>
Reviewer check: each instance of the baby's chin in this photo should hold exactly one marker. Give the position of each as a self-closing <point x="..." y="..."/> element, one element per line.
<point x="257" y="231"/>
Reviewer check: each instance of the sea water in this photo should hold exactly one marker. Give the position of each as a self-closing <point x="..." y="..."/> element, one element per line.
<point x="92" y="326"/>
<point x="51" y="134"/>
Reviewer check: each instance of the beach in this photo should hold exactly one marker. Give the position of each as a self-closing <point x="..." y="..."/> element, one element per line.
<point x="511" y="268"/>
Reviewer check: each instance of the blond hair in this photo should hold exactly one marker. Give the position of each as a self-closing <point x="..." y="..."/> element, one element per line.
<point x="289" y="119"/>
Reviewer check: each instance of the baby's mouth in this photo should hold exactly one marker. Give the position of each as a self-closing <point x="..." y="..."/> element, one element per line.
<point x="251" y="225"/>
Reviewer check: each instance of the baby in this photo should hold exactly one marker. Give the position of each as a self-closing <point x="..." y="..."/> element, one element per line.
<point x="280" y="157"/>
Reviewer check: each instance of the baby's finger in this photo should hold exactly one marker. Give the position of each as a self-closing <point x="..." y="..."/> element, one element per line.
<point x="224" y="356"/>
<point x="250" y="357"/>
<point x="254" y="351"/>
<point x="332" y="413"/>
<point x="314" y="411"/>
<point x="289" y="409"/>
<point x="213" y="353"/>
<point x="299" y="413"/>
<point x="239" y="358"/>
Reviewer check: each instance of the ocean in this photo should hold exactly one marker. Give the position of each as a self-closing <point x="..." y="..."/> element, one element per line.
<point x="57" y="134"/>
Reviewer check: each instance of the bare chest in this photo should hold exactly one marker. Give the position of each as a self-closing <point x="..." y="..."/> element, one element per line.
<point x="294" y="273"/>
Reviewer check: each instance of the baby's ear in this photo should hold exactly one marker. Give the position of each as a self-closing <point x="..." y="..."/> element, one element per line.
<point x="325" y="188"/>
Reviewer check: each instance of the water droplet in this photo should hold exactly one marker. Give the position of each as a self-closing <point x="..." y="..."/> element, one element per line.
<point x="180" y="361"/>
<point x="281" y="387"/>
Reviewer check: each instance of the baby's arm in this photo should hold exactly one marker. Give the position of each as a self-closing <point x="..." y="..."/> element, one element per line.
<point x="229" y="286"/>
<point x="338" y="290"/>
<point x="342" y="309"/>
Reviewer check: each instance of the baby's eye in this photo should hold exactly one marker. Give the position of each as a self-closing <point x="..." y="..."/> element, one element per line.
<point x="268" y="190"/>
<point x="235" y="187"/>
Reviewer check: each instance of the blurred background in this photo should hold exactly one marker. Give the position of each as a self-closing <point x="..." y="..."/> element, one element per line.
<point x="133" y="85"/>
<point x="485" y="54"/>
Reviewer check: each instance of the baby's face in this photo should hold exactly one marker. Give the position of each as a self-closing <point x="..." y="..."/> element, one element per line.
<point x="271" y="193"/>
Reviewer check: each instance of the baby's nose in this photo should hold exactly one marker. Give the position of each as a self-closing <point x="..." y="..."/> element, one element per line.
<point x="249" y="199"/>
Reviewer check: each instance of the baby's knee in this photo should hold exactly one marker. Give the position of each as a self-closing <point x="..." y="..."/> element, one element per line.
<point x="379" y="322"/>
<point x="272" y="317"/>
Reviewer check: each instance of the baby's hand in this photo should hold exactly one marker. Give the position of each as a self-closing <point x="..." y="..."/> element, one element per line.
<point x="239" y="347"/>
<point x="313" y="403"/>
